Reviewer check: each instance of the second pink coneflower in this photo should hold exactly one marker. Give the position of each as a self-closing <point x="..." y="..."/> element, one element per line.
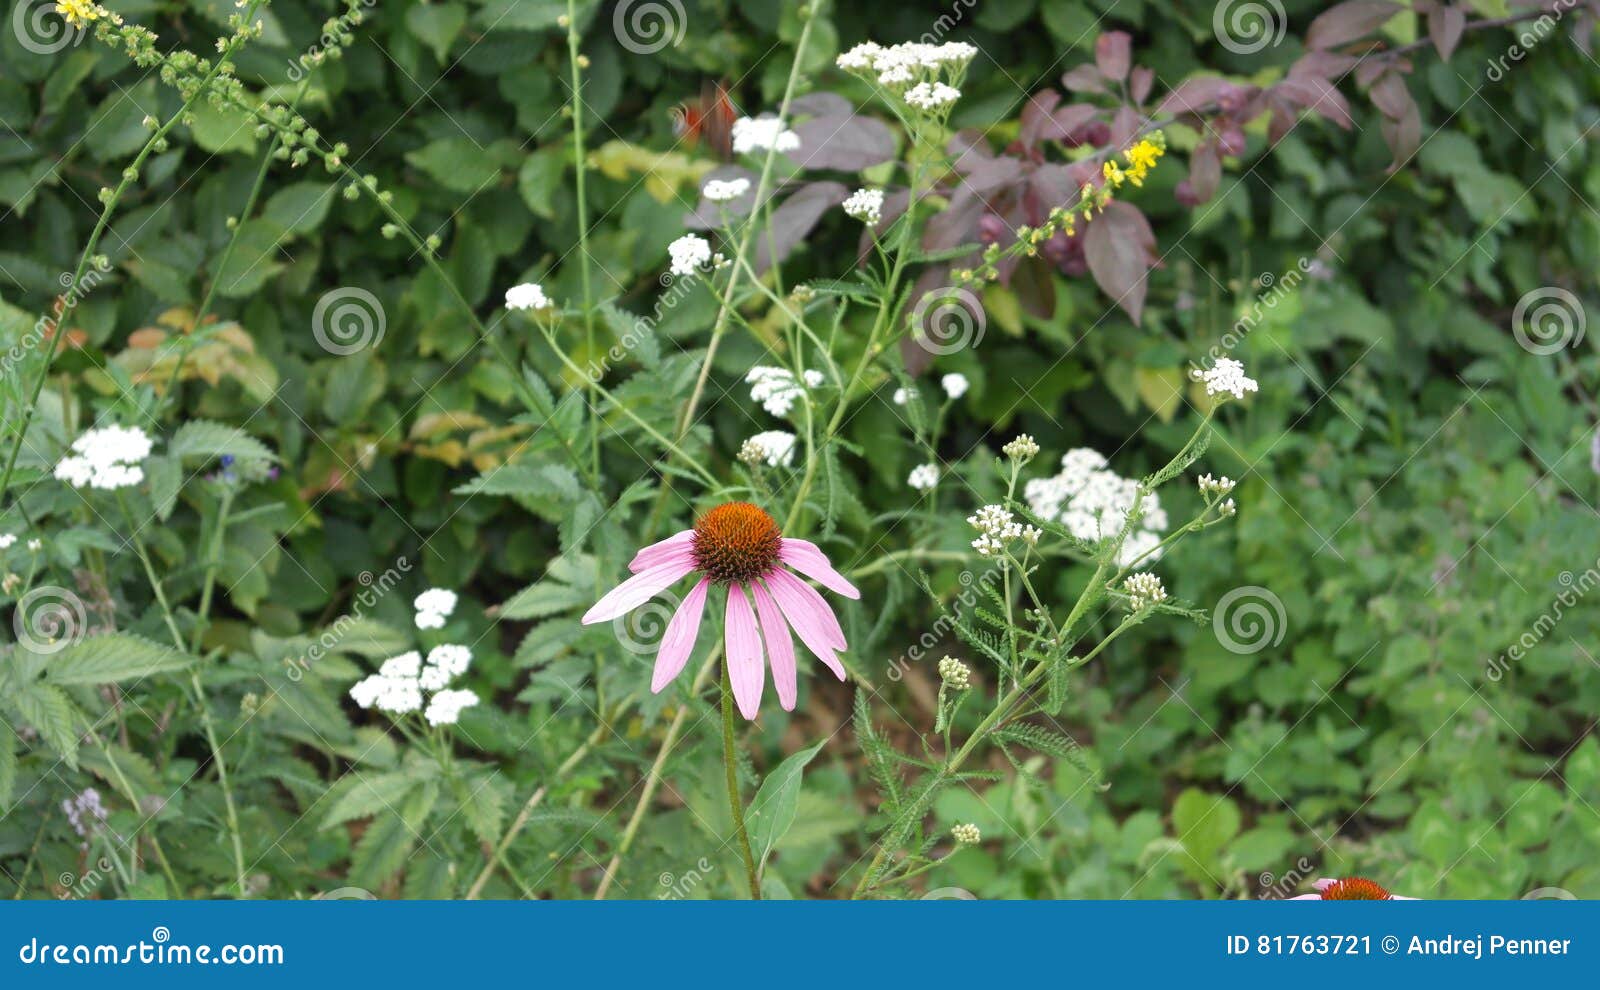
<point x="738" y="546"/>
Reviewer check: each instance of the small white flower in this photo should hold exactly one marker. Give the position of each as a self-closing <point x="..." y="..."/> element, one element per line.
<point x="932" y="96"/>
<point x="404" y="665"/>
<point x="528" y="295"/>
<point x="689" y="253"/>
<point x="433" y="607"/>
<point x="444" y="664"/>
<point x="1215" y="486"/>
<point x="1022" y="448"/>
<point x="955" y="384"/>
<point x="445" y="708"/>
<point x="1227" y="375"/>
<point x="395" y="695"/>
<point x="107" y="458"/>
<point x="902" y="396"/>
<point x="723" y="190"/>
<point x="35" y="545"/>
<point x="955" y="674"/>
<point x="966" y="834"/>
<point x="761" y="134"/>
<point x="924" y="477"/>
<point x="1144" y="589"/>
<point x="776" y="389"/>
<point x="865" y="205"/>
<point x="6" y="540"/>
<point x="774" y="447"/>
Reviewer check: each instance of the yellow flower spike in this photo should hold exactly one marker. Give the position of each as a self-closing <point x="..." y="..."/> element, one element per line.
<point x="78" y="13"/>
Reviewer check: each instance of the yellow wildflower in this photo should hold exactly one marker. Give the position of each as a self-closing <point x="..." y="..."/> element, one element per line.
<point x="78" y="13"/>
<point x="1141" y="158"/>
<point x="1113" y="173"/>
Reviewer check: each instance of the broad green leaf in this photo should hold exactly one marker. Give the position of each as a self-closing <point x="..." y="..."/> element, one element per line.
<point x="112" y="658"/>
<point x="772" y="810"/>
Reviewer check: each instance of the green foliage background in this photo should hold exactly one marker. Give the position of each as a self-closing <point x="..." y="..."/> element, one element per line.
<point x="1415" y="484"/>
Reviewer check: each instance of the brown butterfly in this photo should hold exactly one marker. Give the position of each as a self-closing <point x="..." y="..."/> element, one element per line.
<point x="709" y="118"/>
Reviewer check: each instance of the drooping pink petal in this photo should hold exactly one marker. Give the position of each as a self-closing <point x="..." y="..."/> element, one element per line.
<point x="671" y="548"/>
<point x="780" y="647"/>
<point x="819" y="605"/>
<point x="637" y="590"/>
<point x="745" y="669"/>
<point x="802" y="613"/>
<point x="807" y="558"/>
<point x="678" y="641"/>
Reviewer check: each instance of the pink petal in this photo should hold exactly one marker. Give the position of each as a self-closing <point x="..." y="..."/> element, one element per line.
<point x="745" y="668"/>
<point x="780" y="647"/>
<point x="807" y="558"/>
<point x="1323" y="883"/>
<point x="637" y="590"/>
<point x="671" y="548"/>
<point x="819" y="605"/>
<point x="678" y="641"/>
<point x="802" y="612"/>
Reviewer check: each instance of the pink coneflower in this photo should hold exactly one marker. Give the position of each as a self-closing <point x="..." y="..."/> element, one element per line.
<point x="1350" y="889"/>
<point x="740" y="546"/>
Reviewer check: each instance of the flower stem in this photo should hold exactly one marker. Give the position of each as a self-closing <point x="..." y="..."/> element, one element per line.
<point x="730" y="762"/>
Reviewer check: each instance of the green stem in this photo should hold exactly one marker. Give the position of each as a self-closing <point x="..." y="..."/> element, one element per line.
<point x="130" y="175"/>
<point x="730" y="761"/>
<point x="578" y="164"/>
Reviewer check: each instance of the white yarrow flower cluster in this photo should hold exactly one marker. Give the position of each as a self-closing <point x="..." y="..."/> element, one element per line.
<point x="1210" y="486"/>
<point x="776" y="389"/>
<point x="932" y="96"/>
<point x="966" y="834"/>
<point x="723" y="190"/>
<point x="107" y="458"/>
<point x="433" y="607"/>
<point x="924" y="477"/>
<point x="904" y="64"/>
<point x="775" y="448"/>
<point x="955" y="674"/>
<point x="6" y="540"/>
<point x="1093" y="503"/>
<point x="1144" y="589"/>
<point x="528" y="295"/>
<point x="997" y="527"/>
<point x="1022" y="448"/>
<point x="762" y="134"/>
<point x="1227" y="375"/>
<point x="689" y="254"/>
<point x="397" y="688"/>
<point x="445" y="708"/>
<point x="865" y="205"/>
<point x="955" y="384"/>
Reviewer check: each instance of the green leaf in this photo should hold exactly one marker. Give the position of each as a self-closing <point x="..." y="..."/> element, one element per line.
<point x="52" y="713"/>
<point x="455" y="163"/>
<point x="539" y="179"/>
<point x="8" y="765"/>
<point x="299" y="208"/>
<point x="542" y="598"/>
<point x="437" y="25"/>
<point x="773" y="808"/>
<point x="111" y="658"/>
<point x="1204" y="826"/>
<point x="204" y="440"/>
<point x="369" y="795"/>
<point x="254" y="260"/>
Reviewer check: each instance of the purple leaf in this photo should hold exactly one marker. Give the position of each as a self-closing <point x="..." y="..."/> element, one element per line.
<point x="1195" y="95"/>
<point x="1319" y="95"/>
<point x="1348" y="21"/>
<point x="1083" y="79"/>
<point x="1139" y="83"/>
<point x="794" y="218"/>
<point x="1112" y="54"/>
<point x="1390" y="96"/>
<point x="1120" y="248"/>
<point x="1205" y="171"/>
<point x="848" y="144"/>
<point x="1445" y="25"/>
